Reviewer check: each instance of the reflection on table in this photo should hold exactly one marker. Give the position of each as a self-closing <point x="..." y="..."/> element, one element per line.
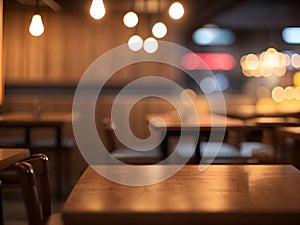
<point x="222" y="194"/>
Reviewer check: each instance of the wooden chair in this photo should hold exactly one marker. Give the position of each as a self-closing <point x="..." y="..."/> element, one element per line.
<point x="33" y="176"/>
<point x="1" y="207"/>
<point x="127" y="155"/>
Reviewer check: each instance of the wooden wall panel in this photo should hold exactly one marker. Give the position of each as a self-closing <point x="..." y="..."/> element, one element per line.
<point x="70" y="43"/>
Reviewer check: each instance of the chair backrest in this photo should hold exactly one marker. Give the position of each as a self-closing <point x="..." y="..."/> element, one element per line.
<point x="33" y="176"/>
<point x="109" y="134"/>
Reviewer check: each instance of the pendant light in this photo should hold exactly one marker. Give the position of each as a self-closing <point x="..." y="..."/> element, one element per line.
<point x="36" y="27"/>
<point x="97" y="10"/>
<point x="159" y="30"/>
<point x="176" y="11"/>
<point x="150" y="44"/>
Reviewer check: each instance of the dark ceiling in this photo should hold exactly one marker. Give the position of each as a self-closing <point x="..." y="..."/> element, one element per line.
<point x="236" y="14"/>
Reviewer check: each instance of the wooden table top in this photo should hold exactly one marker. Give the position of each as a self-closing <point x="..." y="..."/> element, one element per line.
<point x="10" y="156"/>
<point x="206" y="121"/>
<point x="221" y="195"/>
<point x="27" y="118"/>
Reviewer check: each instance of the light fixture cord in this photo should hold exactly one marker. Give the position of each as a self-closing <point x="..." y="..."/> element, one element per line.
<point x="159" y="10"/>
<point x="36" y="7"/>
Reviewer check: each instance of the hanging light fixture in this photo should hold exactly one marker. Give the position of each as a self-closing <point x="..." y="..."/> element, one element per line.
<point x="159" y="30"/>
<point x="130" y="19"/>
<point x="135" y="43"/>
<point x="176" y="10"/>
<point x="97" y="10"/>
<point x="36" y="27"/>
<point x="150" y="45"/>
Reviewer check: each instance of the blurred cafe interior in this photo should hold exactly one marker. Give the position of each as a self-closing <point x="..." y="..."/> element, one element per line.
<point x="157" y="83"/>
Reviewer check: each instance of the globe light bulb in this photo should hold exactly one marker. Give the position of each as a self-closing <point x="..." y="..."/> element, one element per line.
<point x="150" y="45"/>
<point x="135" y="43"/>
<point x="97" y="10"/>
<point x="36" y="27"/>
<point x="130" y="19"/>
<point x="176" y="10"/>
<point x="159" y="30"/>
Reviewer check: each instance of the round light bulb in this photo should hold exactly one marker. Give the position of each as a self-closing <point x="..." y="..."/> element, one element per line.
<point x="159" y="30"/>
<point x="135" y="43"/>
<point x="176" y="10"/>
<point x="36" y="27"/>
<point x="150" y="45"/>
<point x="130" y="19"/>
<point x="97" y="10"/>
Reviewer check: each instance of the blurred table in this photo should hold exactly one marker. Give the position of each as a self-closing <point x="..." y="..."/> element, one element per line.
<point x="10" y="156"/>
<point x="292" y="133"/>
<point x="48" y="120"/>
<point x="27" y="121"/>
<point x="206" y="124"/>
<point x="222" y="194"/>
<point x="268" y="126"/>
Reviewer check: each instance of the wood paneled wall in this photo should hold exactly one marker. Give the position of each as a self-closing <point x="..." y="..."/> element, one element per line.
<point x="70" y="43"/>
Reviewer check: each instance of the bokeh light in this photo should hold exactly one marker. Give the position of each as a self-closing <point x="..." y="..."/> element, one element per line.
<point x="295" y="60"/>
<point x="278" y="94"/>
<point x="297" y="93"/>
<point x="150" y="45"/>
<point x="212" y="35"/>
<point x="208" y="85"/>
<point x="208" y="61"/>
<point x="251" y="62"/>
<point x="135" y="43"/>
<point x="159" y="30"/>
<point x="176" y="10"/>
<point x="222" y="82"/>
<point x="291" y="35"/>
<point x="266" y="64"/>
<point x="130" y="19"/>
<point x="289" y="93"/>
<point x="296" y="78"/>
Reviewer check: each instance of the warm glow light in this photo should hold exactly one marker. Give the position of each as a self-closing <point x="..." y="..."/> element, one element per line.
<point x="279" y="71"/>
<point x="36" y="27"/>
<point x="130" y="19"/>
<point x="289" y="93"/>
<point x="251" y="62"/>
<point x="135" y="43"/>
<point x="176" y="10"/>
<point x="297" y="78"/>
<point x="208" y="61"/>
<point x="159" y="30"/>
<point x="270" y="58"/>
<point x="295" y="60"/>
<point x="97" y="10"/>
<point x="278" y="94"/>
<point x="297" y="93"/>
<point x="270" y="62"/>
<point x="150" y="45"/>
